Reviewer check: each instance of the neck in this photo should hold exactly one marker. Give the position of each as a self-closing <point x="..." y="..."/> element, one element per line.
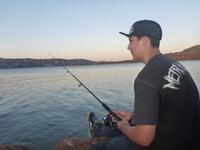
<point x="151" y="53"/>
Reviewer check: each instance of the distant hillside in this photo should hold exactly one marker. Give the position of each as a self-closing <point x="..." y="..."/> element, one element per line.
<point x="28" y="62"/>
<point x="192" y="53"/>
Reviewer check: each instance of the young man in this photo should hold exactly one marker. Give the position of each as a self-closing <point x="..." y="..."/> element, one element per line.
<point x="167" y="107"/>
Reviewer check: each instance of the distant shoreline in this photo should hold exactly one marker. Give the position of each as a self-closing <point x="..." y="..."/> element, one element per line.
<point x="84" y="65"/>
<point x="192" y="53"/>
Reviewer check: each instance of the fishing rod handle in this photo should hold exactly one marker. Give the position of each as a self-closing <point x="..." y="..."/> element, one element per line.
<point x="111" y="112"/>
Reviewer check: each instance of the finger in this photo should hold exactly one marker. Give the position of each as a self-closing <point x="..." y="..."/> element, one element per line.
<point x="119" y="124"/>
<point x="116" y="111"/>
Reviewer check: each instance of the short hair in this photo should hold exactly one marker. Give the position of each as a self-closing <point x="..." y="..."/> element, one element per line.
<point x="154" y="42"/>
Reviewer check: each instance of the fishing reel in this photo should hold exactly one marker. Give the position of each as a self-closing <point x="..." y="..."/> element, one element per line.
<point x="110" y="121"/>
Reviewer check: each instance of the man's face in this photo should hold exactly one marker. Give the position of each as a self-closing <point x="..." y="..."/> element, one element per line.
<point x="136" y="47"/>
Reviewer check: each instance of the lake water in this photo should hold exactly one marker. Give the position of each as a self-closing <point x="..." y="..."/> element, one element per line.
<point x="41" y="106"/>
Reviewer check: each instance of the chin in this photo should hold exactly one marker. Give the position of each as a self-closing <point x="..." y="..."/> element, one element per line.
<point x="136" y="58"/>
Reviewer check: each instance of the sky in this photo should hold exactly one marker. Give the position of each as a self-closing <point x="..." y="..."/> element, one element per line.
<point x="89" y="28"/>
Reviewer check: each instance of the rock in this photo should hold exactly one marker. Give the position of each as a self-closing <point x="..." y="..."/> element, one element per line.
<point x="78" y="144"/>
<point x="13" y="147"/>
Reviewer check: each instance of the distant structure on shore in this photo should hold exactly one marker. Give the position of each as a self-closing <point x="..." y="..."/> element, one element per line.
<point x="192" y="53"/>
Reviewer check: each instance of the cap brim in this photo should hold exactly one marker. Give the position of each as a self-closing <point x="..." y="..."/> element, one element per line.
<point x="125" y="34"/>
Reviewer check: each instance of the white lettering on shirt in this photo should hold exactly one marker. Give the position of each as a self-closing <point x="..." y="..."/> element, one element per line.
<point x="175" y="73"/>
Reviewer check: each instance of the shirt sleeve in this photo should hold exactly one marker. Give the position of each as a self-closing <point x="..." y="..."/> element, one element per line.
<point x="146" y="106"/>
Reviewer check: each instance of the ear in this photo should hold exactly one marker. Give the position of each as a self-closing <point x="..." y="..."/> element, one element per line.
<point x="145" y="41"/>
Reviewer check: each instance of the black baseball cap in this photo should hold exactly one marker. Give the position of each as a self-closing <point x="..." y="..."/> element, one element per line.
<point x="145" y="28"/>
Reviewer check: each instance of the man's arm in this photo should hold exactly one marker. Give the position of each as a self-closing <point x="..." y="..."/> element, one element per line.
<point x="146" y="112"/>
<point x="140" y="134"/>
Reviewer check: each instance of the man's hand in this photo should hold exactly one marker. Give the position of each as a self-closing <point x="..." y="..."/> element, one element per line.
<point x="123" y="115"/>
<point x="122" y="124"/>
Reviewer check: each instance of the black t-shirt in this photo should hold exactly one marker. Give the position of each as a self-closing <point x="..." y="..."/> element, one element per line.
<point x="166" y="96"/>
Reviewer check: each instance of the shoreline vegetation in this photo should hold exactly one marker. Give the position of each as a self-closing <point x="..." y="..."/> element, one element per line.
<point x="192" y="53"/>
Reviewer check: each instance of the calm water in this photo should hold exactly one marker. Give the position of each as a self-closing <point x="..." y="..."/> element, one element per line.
<point x="41" y="106"/>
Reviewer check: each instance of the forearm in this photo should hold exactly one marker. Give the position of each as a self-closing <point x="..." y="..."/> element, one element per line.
<point x="132" y="134"/>
<point x="136" y="134"/>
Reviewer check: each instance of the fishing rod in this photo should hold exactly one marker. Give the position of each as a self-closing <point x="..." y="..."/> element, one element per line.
<point x="106" y="107"/>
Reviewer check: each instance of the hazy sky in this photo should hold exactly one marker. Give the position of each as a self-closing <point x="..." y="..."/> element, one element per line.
<point x="89" y="28"/>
